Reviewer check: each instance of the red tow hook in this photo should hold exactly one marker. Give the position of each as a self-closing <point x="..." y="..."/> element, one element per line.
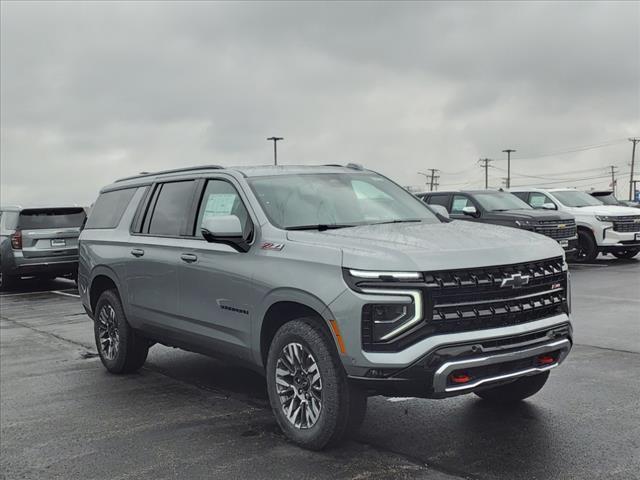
<point x="460" y="377"/>
<point x="546" y="359"/>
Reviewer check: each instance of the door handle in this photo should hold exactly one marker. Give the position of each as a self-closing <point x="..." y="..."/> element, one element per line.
<point x="188" y="257"/>
<point x="137" y="252"/>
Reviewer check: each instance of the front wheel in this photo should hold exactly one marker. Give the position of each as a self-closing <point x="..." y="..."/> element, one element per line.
<point x="625" y="254"/>
<point x="120" y="348"/>
<point x="515" y="391"/>
<point x="587" y="248"/>
<point x="309" y="392"/>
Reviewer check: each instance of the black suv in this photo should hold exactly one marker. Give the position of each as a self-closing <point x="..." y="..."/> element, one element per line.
<point x="504" y="208"/>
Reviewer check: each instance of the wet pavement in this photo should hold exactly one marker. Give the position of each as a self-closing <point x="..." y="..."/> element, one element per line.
<point x="187" y="416"/>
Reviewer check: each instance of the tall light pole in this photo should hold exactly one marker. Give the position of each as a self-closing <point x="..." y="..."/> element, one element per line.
<point x="633" y="162"/>
<point x="508" y="152"/>
<point x="275" y="148"/>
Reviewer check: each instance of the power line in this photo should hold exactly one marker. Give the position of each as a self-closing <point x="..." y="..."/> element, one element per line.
<point x="574" y="150"/>
<point x="556" y="176"/>
<point x="432" y="178"/>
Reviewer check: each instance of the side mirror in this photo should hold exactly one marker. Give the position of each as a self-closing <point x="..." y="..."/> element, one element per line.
<point x="549" y="206"/>
<point x="471" y="211"/>
<point x="440" y="210"/>
<point x="225" y="229"/>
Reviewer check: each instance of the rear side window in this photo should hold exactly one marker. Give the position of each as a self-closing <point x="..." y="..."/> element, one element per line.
<point x="109" y="208"/>
<point x="41" y="218"/>
<point x="172" y="207"/>
<point x="442" y="200"/>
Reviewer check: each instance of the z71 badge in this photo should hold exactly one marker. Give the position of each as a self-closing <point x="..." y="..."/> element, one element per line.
<point x="272" y="246"/>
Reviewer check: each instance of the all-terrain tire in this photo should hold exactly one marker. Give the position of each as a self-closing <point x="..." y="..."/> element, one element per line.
<point x="515" y="391"/>
<point x="121" y="348"/>
<point x="342" y="405"/>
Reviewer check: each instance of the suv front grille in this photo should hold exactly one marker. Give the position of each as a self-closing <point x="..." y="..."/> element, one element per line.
<point x="627" y="224"/>
<point x="482" y="298"/>
<point x="557" y="230"/>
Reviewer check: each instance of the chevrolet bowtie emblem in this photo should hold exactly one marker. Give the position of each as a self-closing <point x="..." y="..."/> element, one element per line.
<point x="562" y="225"/>
<point x="516" y="280"/>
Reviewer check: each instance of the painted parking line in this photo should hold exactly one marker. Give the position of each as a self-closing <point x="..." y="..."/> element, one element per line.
<point x="24" y="294"/>
<point x="60" y="292"/>
<point x="400" y="399"/>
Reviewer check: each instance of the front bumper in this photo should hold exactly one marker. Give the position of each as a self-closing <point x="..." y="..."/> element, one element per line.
<point x="486" y="363"/>
<point x="611" y="240"/>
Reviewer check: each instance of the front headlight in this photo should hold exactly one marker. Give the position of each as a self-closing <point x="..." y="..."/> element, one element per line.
<point x="387" y="320"/>
<point x="523" y="223"/>
<point x="605" y="218"/>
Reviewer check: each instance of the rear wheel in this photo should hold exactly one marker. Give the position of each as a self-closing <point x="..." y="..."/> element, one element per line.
<point x="311" y="398"/>
<point x="587" y="248"/>
<point x="8" y="281"/>
<point x="632" y="252"/>
<point x="515" y="391"/>
<point x="120" y="348"/>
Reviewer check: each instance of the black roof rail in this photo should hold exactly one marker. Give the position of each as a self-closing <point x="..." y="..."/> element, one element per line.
<point x="173" y="170"/>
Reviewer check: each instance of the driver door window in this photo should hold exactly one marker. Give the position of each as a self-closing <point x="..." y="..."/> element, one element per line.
<point x="460" y="202"/>
<point x="221" y="198"/>
<point x="536" y="199"/>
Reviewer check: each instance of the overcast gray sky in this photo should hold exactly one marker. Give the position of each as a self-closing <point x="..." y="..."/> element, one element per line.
<point x="95" y="91"/>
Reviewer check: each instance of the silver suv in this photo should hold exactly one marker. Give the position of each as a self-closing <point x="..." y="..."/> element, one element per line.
<point x="41" y="242"/>
<point x="332" y="281"/>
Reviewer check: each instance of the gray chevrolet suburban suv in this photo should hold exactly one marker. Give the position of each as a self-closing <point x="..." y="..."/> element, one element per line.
<point x="40" y="242"/>
<point x="334" y="282"/>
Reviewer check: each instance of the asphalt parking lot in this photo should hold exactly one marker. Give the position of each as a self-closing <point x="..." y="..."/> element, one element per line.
<point x="188" y="416"/>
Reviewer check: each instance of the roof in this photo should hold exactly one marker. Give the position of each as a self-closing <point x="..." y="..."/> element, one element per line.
<point x="246" y="171"/>
<point x="19" y="208"/>
<point x="532" y="189"/>
<point x="467" y="191"/>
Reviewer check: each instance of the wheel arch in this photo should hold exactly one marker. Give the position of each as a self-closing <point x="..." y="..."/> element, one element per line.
<point x="102" y="279"/>
<point x="284" y="306"/>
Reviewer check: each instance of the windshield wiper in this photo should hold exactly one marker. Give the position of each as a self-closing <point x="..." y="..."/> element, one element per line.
<point x="320" y="227"/>
<point x="409" y="220"/>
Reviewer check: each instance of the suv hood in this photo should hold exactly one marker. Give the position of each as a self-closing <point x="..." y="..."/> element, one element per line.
<point x="535" y="215"/>
<point x="608" y="210"/>
<point x="430" y="247"/>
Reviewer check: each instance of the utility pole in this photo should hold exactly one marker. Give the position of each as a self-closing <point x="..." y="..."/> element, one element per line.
<point x="275" y="148"/>
<point x="486" y="162"/>
<point x="633" y="162"/>
<point x="432" y="178"/>
<point x="613" y="169"/>
<point x="508" y="151"/>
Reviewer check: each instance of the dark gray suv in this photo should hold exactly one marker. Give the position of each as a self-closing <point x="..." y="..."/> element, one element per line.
<point x="41" y="242"/>
<point x="332" y="281"/>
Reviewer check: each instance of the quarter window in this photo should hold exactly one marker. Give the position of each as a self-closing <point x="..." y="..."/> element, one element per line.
<point x="172" y="207"/>
<point x="109" y="208"/>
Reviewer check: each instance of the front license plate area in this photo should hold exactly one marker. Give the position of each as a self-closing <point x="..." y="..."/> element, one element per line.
<point x="58" y="242"/>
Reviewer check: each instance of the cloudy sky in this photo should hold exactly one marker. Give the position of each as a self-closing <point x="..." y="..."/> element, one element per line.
<point x="95" y="91"/>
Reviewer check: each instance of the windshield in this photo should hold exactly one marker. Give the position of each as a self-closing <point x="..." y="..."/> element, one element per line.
<point x="574" y="198"/>
<point x="500" y="201"/>
<point x="336" y="200"/>
<point x="606" y="198"/>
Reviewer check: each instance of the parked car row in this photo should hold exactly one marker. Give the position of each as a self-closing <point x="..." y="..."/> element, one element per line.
<point x="582" y="224"/>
